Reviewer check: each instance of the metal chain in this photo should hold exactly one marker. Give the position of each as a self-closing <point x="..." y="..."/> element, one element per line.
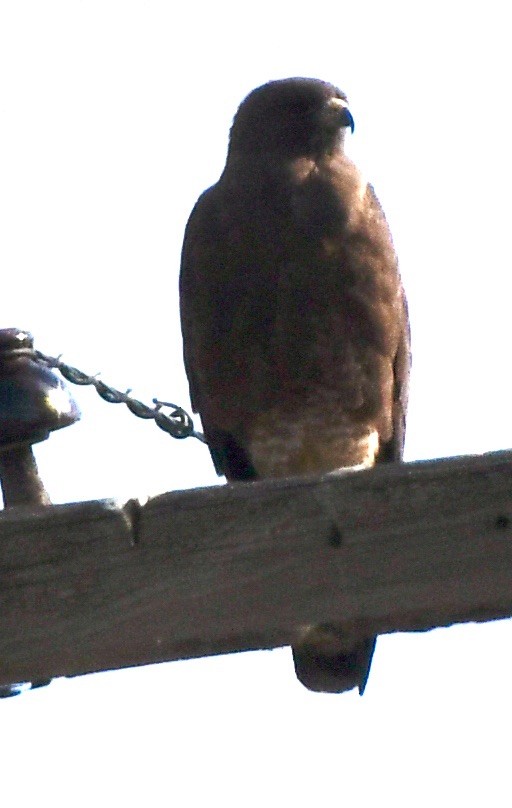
<point x="177" y="423"/>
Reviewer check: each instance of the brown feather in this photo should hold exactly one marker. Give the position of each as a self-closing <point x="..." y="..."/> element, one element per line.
<point x="295" y="326"/>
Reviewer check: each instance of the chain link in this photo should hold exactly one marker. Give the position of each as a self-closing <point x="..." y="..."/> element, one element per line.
<point x="177" y="423"/>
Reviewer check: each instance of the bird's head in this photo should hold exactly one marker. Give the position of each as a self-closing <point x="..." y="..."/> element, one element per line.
<point x="294" y="117"/>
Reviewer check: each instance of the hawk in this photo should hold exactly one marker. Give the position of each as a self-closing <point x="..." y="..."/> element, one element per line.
<point x="294" y="319"/>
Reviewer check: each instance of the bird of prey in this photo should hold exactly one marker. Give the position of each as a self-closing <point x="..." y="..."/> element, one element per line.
<point x="294" y="320"/>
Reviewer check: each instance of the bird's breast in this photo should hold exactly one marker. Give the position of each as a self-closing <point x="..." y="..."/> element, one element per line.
<point x="300" y="321"/>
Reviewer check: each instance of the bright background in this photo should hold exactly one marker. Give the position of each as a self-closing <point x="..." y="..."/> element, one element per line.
<point x="114" y="116"/>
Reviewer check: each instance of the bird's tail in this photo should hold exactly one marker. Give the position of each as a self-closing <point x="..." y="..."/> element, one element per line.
<point x="322" y="663"/>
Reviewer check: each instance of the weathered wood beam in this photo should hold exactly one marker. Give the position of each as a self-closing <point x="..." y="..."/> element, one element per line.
<point x="94" y="586"/>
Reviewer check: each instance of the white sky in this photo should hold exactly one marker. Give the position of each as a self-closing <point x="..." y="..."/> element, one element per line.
<point x="114" y="116"/>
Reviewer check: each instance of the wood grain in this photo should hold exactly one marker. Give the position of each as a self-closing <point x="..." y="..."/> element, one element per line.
<point x="95" y="586"/>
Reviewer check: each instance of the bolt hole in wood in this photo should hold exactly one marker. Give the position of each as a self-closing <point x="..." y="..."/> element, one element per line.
<point x="502" y="522"/>
<point x="335" y="537"/>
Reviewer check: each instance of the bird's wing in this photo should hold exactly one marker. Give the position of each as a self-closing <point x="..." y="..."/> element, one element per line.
<point x="202" y="261"/>
<point x="402" y="366"/>
<point x="392" y="450"/>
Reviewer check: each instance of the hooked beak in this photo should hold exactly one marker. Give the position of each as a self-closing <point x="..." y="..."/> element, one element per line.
<point x="341" y="112"/>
